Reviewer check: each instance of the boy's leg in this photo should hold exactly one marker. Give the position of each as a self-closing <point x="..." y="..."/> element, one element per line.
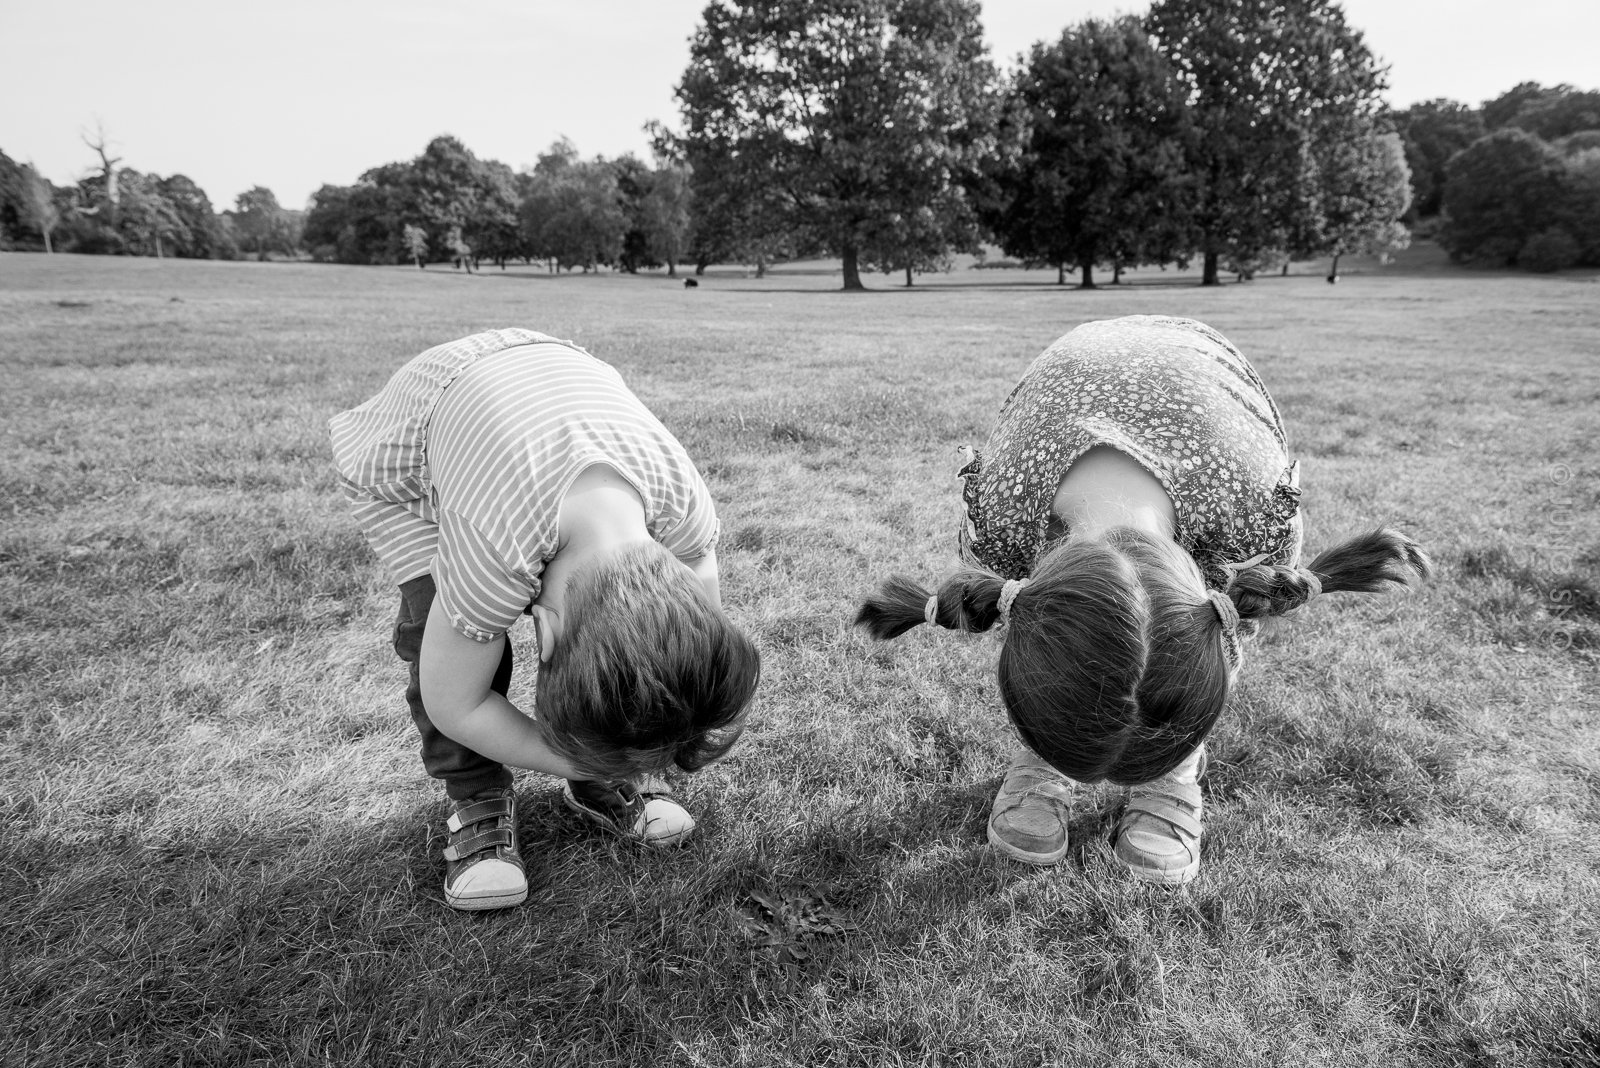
<point x="1158" y="836"/>
<point x="464" y="772"/>
<point x="484" y="868"/>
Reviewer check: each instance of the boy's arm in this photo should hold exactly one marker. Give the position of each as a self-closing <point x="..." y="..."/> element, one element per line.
<point x="705" y="569"/>
<point x="456" y="675"/>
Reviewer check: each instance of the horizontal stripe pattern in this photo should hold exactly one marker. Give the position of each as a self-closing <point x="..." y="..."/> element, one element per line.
<point x="466" y="482"/>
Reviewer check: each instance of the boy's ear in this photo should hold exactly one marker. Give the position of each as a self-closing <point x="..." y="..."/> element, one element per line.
<point x="548" y="625"/>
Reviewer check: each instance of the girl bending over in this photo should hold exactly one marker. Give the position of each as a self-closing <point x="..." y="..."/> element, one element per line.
<point x="1132" y="516"/>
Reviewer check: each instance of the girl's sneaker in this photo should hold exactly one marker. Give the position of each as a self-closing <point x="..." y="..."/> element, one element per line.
<point x="1158" y="836"/>
<point x="483" y="867"/>
<point x="1031" y="812"/>
<point x="640" y="809"/>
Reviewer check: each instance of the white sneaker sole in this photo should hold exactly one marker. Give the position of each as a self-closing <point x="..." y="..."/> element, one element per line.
<point x="656" y="840"/>
<point x="483" y="904"/>
<point x="1161" y="876"/>
<point x="1038" y="860"/>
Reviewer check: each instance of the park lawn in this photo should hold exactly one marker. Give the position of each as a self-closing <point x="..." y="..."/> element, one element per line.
<point x="219" y="848"/>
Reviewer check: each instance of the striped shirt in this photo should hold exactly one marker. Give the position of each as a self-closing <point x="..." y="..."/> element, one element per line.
<point x="458" y="467"/>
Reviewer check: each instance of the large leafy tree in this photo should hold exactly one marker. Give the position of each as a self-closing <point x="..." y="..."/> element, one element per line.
<point x="664" y="214"/>
<point x="1433" y="131"/>
<point x="571" y="210"/>
<point x="1500" y="191"/>
<point x="38" y="201"/>
<point x="1101" y="139"/>
<point x="261" y="223"/>
<point x="150" y="224"/>
<point x="201" y="235"/>
<point x="492" y="228"/>
<point x="1268" y="82"/>
<point x="839" y="115"/>
<point x="1366" y="188"/>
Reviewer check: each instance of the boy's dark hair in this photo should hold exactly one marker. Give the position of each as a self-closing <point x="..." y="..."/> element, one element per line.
<point x="1116" y="665"/>
<point x="649" y="672"/>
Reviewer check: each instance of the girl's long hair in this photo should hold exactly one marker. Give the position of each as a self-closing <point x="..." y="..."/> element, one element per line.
<point x="1116" y="664"/>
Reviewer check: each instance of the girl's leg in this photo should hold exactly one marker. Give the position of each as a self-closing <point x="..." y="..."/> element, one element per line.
<point x="1158" y="836"/>
<point x="1030" y="815"/>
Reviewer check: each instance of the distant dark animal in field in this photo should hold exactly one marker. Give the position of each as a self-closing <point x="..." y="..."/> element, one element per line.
<point x="690" y="283"/>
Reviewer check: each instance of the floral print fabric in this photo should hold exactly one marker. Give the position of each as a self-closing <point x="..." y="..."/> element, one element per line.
<point x="1175" y="396"/>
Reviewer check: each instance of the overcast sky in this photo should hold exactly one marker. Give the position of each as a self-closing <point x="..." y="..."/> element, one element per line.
<point x="295" y="93"/>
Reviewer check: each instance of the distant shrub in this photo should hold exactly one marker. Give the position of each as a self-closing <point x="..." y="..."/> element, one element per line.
<point x="1549" y="250"/>
<point x="1496" y="252"/>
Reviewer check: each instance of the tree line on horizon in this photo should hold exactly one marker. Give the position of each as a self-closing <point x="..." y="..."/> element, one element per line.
<point x="1242" y="134"/>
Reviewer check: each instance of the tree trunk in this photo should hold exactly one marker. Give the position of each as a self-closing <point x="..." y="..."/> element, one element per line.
<point x="48" y="250"/>
<point x="1061" y="274"/>
<point x="852" y="271"/>
<point x="1116" y="274"/>
<point x="908" y="276"/>
<point x="1087" y="267"/>
<point x="1333" y="270"/>
<point x="1285" y="269"/>
<point x="1208" y="277"/>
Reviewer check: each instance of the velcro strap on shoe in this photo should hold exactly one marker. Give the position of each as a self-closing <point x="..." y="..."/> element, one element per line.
<point x="478" y="843"/>
<point x="1162" y="808"/>
<point x="487" y="809"/>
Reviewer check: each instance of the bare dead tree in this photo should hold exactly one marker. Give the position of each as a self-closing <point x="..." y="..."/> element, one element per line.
<point x="108" y="164"/>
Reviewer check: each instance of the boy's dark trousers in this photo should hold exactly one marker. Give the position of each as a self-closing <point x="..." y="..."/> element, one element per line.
<point x="464" y="772"/>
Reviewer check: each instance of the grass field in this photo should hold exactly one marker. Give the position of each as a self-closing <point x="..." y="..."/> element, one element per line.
<point x="219" y="848"/>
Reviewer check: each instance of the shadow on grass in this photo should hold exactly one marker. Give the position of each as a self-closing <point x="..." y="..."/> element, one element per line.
<point x="227" y="946"/>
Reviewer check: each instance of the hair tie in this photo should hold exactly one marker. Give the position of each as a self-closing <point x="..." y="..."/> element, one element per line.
<point x="1313" y="583"/>
<point x="1243" y="565"/>
<point x="930" y="611"/>
<point x="1226" y="610"/>
<point x="1008" y="593"/>
<point x="1228" y="614"/>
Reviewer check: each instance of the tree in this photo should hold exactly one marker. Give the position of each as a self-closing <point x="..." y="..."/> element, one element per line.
<point x="1561" y="112"/>
<point x="201" y="235"/>
<point x="1366" y="188"/>
<point x="415" y="239"/>
<point x="1581" y="209"/>
<point x="1098" y="173"/>
<point x="842" y="113"/>
<point x="261" y="222"/>
<point x="1499" y="192"/>
<point x="1433" y="131"/>
<point x="108" y="173"/>
<point x="1267" y="82"/>
<point x="39" y="202"/>
<point x="148" y="222"/>
<point x="664" y="214"/>
<point x="571" y="213"/>
<point x="633" y="184"/>
<point x="491" y="228"/>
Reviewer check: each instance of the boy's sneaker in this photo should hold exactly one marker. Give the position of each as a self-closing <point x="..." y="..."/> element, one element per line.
<point x="483" y="869"/>
<point x="1158" y="836"/>
<point x="640" y="809"/>
<point x="1031" y="812"/>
